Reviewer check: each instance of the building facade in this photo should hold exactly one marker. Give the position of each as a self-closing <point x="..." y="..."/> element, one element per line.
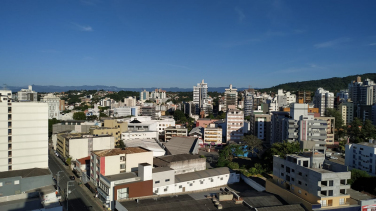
<point x="175" y="131"/>
<point x="212" y="135"/>
<point x="231" y="97"/>
<point x="200" y="95"/>
<point x="234" y="125"/>
<point x="27" y="95"/>
<point x="323" y="99"/>
<point x="53" y="105"/>
<point x="260" y="126"/>
<point x="362" y="156"/>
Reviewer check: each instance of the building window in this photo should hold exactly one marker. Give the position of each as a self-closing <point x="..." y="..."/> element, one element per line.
<point x="180" y="186"/>
<point x="330" y="193"/>
<point x="167" y="180"/>
<point x="122" y="166"/>
<point x="299" y="182"/>
<point x="323" y="203"/>
<point x="282" y="166"/>
<point x="1" y="184"/>
<point x="16" y="182"/>
<point x="330" y="182"/>
<point x="341" y="201"/>
<point x="300" y="173"/>
<point x="156" y="182"/>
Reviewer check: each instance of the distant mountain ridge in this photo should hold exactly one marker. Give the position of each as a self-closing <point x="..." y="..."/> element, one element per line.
<point x="332" y="84"/>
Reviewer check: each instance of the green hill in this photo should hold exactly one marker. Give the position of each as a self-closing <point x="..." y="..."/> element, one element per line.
<point x="332" y="84"/>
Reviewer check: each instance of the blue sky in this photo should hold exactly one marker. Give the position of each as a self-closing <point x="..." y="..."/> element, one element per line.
<point x="179" y="43"/>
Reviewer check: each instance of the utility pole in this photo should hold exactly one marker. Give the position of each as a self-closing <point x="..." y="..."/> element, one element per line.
<point x="58" y="175"/>
<point x="68" y="192"/>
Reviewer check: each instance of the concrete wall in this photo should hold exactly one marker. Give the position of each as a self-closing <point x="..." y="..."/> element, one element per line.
<point x="252" y="183"/>
<point x="132" y="160"/>
<point x="9" y="187"/>
<point x="112" y="165"/>
<point x="186" y="166"/>
<point x="162" y="178"/>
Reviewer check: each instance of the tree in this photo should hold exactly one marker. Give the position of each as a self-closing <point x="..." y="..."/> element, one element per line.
<point x="120" y="144"/>
<point x="102" y="115"/>
<point x="368" y="130"/>
<point x="228" y="153"/>
<point x="79" y="116"/>
<point x="281" y="149"/>
<point x="221" y="115"/>
<point x="354" y="131"/>
<point x="253" y="144"/>
<point x="51" y="122"/>
<point x="233" y="165"/>
<point x="93" y="117"/>
<point x="69" y="161"/>
<point x="178" y="115"/>
<point x="331" y="112"/>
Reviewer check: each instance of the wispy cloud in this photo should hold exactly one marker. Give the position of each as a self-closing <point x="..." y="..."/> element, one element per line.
<point x="332" y="43"/>
<point x="373" y="43"/>
<point x="83" y="28"/>
<point x="179" y="66"/>
<point x="240" y="13"/>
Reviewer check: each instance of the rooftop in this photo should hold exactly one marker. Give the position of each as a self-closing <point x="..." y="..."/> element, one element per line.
<point x="84" y="160"/>
<point x="180" y="145"/>
<point x="368" y="144"/>
<point x="121" y="176"/>
<point x="161" y="169"/>
<point x="164" y="160"/>
<point x="149" y="144"/>
<point x="118" y="151"/>
<point x="24" y="173"/>
<point x="358" y="195"/>
<point x="202" y="174"/>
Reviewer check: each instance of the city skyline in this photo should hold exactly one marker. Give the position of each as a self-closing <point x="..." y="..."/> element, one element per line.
<point x="169" y="44"/>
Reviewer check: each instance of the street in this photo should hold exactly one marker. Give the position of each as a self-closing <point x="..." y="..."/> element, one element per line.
<point x="78" y="199"/>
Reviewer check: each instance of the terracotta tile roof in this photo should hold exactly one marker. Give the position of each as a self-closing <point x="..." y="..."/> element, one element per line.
<point x="83" y="160"/>
<point x="118" y="151"/>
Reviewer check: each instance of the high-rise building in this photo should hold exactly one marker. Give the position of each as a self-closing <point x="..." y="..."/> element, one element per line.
<point x="53" y="105"/>
<point x="346" y="109"/>
<point x="234" y="125"/>
<point x="24" y="134"/>
<point x="323" y="99"/>
<point x="231" y="97"/>
<point x="304" y="97"/>
<point x="200" y="94"/>
<point x="362" y="93"/>
<point x="144" y="95"/>
<point x="25" y="95"/>
<point x="248" y="103"/>
<point x="130" y="101"/>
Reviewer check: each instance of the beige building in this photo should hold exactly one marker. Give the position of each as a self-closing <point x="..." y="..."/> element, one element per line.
<point x="330" y="129"/>
<point x="234" y="124"/>
<point x="110" y="127"/>
<point x="212" y="135"/>
<point x="116" y="161"/>
<point x="79" y="145"/>
<point x="174" y="131"/>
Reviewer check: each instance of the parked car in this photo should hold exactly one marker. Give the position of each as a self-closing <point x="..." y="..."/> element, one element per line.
<point x="72" y="177"/>
<point x="334" y="158"/>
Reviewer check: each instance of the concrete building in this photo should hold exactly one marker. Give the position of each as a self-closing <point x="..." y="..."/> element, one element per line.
<point x="212" y="136"/>
<point x="130" y="101"/>
<point x="323" y="99"/>
<point x="144" y="95"/>
<point x="23" y="135"/>
<point x="175" y="131"/>
<point x="303" y="97"/>
<point x="260" y="126"/>
<point x="285" y="98"/>
<point x="61" y="105"/>
<point x="362" y="156"/>
<point x="248" y="103"/>
<point x="347" y="111"/>
<point x="181" y="163"/>
<point x="158" y="94"/>
<point x="111" y="127"/>
<point x="27" y="95"/>
<point x="234" y="125"/>
<point x="78" y="145"/>
<point x="279" y="126"/>
<point x="204" y="122"/>
<point x="310" y="180"/>
<point x="343" y="95"/>
<point x="115" y="161"/>
<point x="128" y="135"/>
<point x="231" y="97"/>
<point x="200" y="95"/>
<point x="148" y="111"/>
<point x="330" y="130"/>
<point x="125" y="111"/>
<point x="53" y="105"/>
<point x="150" y="144"/>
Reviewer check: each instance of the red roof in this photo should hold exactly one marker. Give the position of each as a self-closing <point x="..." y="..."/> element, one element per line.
<point x="83" y="160"/>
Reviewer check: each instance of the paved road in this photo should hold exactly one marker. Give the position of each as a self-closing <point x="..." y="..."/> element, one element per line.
<point x="78" y="199"/>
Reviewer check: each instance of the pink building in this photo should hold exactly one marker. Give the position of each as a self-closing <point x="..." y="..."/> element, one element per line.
<point x="204" y="122"/>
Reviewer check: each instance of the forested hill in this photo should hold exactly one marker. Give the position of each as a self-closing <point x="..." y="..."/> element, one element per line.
<point x="332" y="84"/>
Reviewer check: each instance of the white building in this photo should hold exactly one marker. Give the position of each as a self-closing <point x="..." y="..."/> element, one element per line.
<point x="231" y="97"/>
<point x="23" y="135"/>
<point x="139" y="135"/>
<point x="125" y="111"/>
<point x="362" y="156"/>
<point x="53" y="105"/>
<point x="234" y="125"/>
<point x="200" y="94"/>
<point x="27" y="95"/>
<point x="144" y="95"/>
<point x="248" y="103"/>
<point x="212" y="135"/>
<point x="160" y="124"/>
<point x="130" y="101"/>
<point x="323" y="99"/>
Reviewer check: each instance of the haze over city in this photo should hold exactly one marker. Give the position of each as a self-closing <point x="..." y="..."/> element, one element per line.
<point x="177" y="43"/>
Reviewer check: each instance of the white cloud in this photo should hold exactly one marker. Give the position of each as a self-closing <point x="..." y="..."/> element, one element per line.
<point x="373" y="43"/>
<point x="83" y="28"/>
<point x="240" y="13"/>
<point x="332" y="42"/>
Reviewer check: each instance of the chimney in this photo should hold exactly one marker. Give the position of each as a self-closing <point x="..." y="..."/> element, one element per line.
<point x="145" y="171"/>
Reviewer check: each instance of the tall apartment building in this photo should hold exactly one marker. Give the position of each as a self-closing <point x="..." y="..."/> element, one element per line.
<point x="343" y="94"/>
<point x="260" y="126"/>
<point x="362" y="156"/>
<point x="311" y="179"/>
<point x="234" y="125"/>
<point x="53" y="105"/>
<point x="158" y="94"/>
<point x="130" y="101"/>
<point x="200" y="94"/>
<point x="27" y="95"/>
<point x="248" y="103"/>
<point x="285" y="98"/>
<point x="23" y="134"/>
<point x="323" y="99"/>
<point x="304" y="97"/>
<point x="144" y="95"/>
<point x="148" y="111"/>
<point x="346" y="109"/>
<point x="231" y="97"/>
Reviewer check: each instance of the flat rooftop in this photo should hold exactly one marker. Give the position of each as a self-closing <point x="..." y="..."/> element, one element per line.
<point x="202" y="174"/>
<point x="149" y="144"/>
<point x="24" y="173"/>
<point x="164" y="160"/>
<point x="368" y="144"/>
<point x="161" y="169"/>
<point x="121" y="176"/>
<point x="118" y="151"/>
